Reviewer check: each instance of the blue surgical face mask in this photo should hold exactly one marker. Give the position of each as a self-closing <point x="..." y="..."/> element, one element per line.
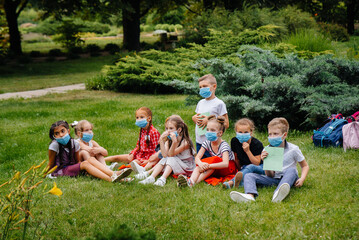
<point x="205" y="92"/>
<point x="86" y="137"/>
<point x="211" y="136"/>
<point x="243" y="137"/>
<point x="169" y="136"/>
<point x="275" y="141"/>
<point x="141" y="123"/>
<point x="63" y="140"/>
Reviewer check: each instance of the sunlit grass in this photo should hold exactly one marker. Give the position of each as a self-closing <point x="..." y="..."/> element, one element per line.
<point x="325" y="207"/>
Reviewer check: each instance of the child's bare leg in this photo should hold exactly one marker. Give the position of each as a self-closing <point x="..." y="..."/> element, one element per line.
<point x="93" y="161"/>
<point x="150" y="165"/>
<point x="84" y="155"/>
<point x="157" y="170"/>
<point x="93" y="171"/>
<point x="117" y="158"/>
<point x="204" y="175"/>
<point x="195" y="175"/>
<point x="101" y="159"/>
<point x="167" y="171"/>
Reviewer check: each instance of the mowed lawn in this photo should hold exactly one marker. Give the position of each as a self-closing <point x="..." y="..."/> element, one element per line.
<point x="326" y="207"/>
<point x="31" y="76"/>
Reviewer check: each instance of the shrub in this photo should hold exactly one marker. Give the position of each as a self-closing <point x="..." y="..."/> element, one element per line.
<point x="55" y="52"/>
<point x="122" y="231"/>
<point x="112" y="48"/>
<point x="69" y="35"/>
<point x="335" y="31"/>
<point x="35" y="54"/>
<point x="309" y="39"/>
<point x="295" y="19"/>
<point x="93" y="48"/>
<point x="147" y="28"/>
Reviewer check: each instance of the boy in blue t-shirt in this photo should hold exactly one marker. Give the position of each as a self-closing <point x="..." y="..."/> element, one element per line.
<point x="277" y="132"/>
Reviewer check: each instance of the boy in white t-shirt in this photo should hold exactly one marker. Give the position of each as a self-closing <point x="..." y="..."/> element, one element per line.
<point x="210" y="105"/>
<point x="285" y="179"/>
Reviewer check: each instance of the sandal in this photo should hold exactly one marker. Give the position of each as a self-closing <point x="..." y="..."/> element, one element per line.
<point x="123" y="173"/>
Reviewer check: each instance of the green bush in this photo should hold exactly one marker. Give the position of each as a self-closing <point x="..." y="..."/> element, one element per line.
<point x="309" y="39"/>
<point x="112" y="48"/>
<point x="123" y="232"/>
<point x="295" y="19"/>
<point x="68" y="35"/>
<point x="335" y="31"/>
<point x="35" y="54"/>
<point x="55" y="52"/>
<point x="264" y="86"/>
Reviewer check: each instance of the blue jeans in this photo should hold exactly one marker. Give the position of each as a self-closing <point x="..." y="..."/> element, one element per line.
<point x="250" y="168"/>
<point x="206" y="153"/>
<point x="253" y="179"/>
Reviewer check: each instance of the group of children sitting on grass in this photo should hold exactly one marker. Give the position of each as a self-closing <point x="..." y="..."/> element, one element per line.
<point x="172" y="152"/>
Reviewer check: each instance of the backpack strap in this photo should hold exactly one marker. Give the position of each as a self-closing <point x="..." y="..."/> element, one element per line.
<point x="333" y="126"/>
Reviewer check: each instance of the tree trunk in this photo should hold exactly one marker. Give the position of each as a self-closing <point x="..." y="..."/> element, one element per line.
<point x="350" y="15"/>
<point x="11" y="18"/>
<point x="131" y="25"/>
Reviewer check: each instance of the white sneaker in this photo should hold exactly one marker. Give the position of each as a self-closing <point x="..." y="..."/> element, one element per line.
<point x="281" y="193"/>
<point x="136" y="167"/>
<point x="114" y="166"/>
<point x="142" y="176"/>
<point x="160" y="182"/>
<point x="148" y="180"/>
<point x="241" y="197"/>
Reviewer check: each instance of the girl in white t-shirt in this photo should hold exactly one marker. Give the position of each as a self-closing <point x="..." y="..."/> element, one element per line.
<point x="64" y="154"/>
<point x="89" y="147"/>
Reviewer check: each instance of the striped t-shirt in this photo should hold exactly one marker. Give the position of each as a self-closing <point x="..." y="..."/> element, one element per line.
<point x="223" y="147"/>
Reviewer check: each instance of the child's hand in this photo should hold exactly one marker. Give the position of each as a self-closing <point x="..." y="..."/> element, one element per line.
<point x="130" y="157"/>
<point x="144" y="162"/>
<point x="299" y="182"/>
<point x="202" y="121"/>
<point x="173" y="137"/>
<point x="96" y="150"/>
<point x="264" y="155"/>
<point x="245" y="147"/>
<point x="196" y="117"/>
<point x="164" y="135"/>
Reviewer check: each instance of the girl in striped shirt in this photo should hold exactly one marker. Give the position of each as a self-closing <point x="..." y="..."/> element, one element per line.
<point x="220" y="164"/>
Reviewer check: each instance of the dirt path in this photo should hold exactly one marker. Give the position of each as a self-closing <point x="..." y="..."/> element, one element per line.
<point x="41" y="92"/>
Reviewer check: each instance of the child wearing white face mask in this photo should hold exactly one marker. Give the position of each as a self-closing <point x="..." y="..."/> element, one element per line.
<point x="147" y="141"/>
<point x="177" y="151"/>
<point x="89" y="147"/>
<point x="247" y="152"/>
<point x="285" y="179"/>
<point x="220" y="164"/>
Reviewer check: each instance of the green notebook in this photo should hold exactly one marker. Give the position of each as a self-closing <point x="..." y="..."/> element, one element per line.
<point x="201" y="131"/>
<point x="274" y="160"/>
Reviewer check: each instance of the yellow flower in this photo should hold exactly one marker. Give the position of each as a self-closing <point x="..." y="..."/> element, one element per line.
<point x="55" y="190"/>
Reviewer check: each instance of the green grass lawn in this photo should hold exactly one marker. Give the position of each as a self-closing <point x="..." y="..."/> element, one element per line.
<point x="326" y="207"/>
<point x="50" y="74"/>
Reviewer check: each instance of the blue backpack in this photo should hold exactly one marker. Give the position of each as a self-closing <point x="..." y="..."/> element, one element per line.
<point x="330" y="134"/>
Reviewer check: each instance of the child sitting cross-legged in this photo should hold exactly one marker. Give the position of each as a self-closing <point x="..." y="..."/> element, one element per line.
<point x="220" y="164"/>
<point x="285" y="179"/>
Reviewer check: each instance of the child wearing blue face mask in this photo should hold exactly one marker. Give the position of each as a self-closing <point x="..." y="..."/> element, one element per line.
<point x="247" y="152"/>
<point x="210" y="105"/>
<point x="147" y="141"/>
<point x="64" y="154"/>
<point x="285" y="179"/>
<point x="220" y="164"/>
<point x="89" y="147"/>
<point x="177" y="150"/>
